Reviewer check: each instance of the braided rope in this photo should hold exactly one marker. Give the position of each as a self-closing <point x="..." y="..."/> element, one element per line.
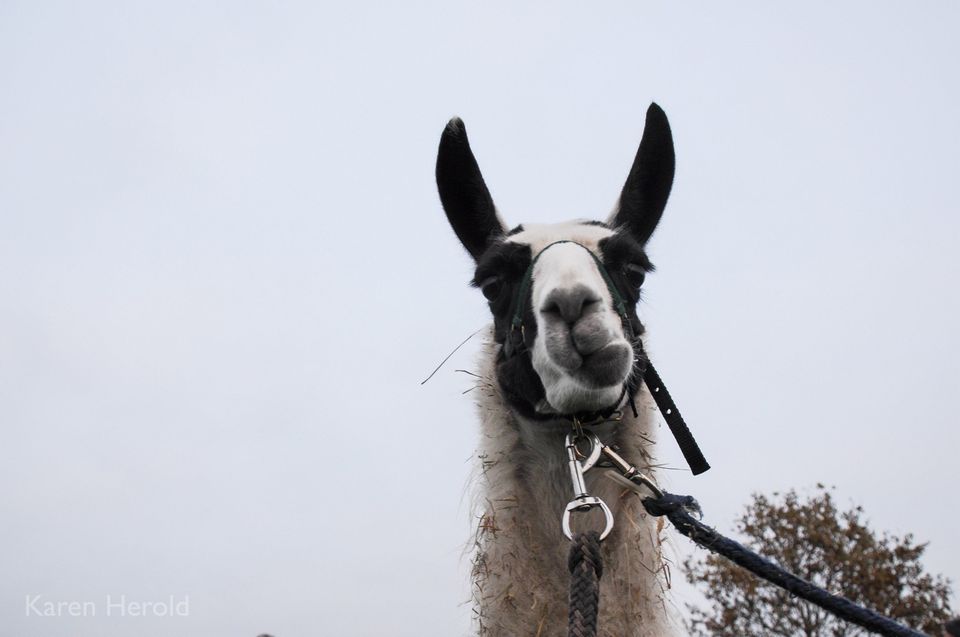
<point x="586" y="567"/>
<point x="677" y="507"/>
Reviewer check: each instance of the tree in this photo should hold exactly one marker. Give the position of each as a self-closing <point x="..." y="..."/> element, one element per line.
<point x="833" y="549"/>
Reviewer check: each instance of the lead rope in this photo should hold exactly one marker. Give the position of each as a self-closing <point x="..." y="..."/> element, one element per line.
<point x="677" y="509"/>
<point x="586" y="568"/>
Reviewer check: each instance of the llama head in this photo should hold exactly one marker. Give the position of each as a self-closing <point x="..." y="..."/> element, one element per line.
<point x="575" y="353"/>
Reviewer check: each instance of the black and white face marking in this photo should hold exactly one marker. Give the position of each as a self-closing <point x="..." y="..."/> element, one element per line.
<point x="578" y="357"/>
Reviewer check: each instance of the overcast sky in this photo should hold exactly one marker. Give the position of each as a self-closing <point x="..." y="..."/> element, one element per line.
<point x="224" y="270"/>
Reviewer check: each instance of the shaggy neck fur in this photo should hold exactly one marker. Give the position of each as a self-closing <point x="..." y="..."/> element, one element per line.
<point x="520" y="576"/>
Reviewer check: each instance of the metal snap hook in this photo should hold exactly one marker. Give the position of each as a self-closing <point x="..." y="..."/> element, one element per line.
<point x="583" y="501"/>
<point x="630" y="472"/>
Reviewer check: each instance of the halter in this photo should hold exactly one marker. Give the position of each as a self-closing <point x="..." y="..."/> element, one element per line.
<point x="643" y="370"/>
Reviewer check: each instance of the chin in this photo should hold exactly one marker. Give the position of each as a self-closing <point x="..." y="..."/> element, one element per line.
<point x="567" y="396"/>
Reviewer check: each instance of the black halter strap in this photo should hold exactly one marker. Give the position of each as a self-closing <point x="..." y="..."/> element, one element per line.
<point x="515" y="344"/>
<point x="678" y="426"/>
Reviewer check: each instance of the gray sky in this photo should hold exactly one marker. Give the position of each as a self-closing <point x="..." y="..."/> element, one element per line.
<point x="224" y="271"/>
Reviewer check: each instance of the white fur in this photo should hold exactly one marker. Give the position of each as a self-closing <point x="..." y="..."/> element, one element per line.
<point x="520" y="575"/>
<point x="564" y="266"/>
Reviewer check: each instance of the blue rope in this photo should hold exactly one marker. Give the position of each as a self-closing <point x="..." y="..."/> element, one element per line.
<point x="677" y="509"/>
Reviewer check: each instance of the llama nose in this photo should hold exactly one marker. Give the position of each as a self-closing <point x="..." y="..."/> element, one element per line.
<point x="569" y="303"/>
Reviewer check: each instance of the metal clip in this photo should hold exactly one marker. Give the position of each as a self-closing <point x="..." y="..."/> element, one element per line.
<point x="629" y="471"/>
<point x="583" y="501"/>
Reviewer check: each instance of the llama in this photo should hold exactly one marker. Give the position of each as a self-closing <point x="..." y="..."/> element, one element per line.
<point x="574" y="356"/>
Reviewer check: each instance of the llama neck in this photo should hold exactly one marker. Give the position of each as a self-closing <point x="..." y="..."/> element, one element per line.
<point x="520" y="574"/>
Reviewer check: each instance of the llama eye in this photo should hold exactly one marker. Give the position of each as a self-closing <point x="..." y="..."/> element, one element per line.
<point x="635" y="274"/>
<point x="491" y="288"/>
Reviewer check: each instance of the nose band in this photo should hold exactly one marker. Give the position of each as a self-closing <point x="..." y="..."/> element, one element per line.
<point x="515" y="341"/>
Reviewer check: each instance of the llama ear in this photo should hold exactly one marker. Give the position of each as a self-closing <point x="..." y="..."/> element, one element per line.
<point x="464" y="194"/>
<point x="644" y="196"/>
